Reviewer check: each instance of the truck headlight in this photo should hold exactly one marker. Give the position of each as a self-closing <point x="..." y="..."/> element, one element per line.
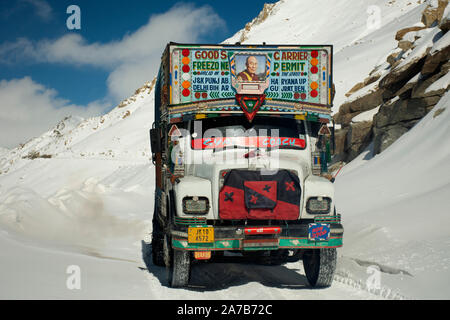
<point x="195" y="205"/>
<point x="318" y="205"/>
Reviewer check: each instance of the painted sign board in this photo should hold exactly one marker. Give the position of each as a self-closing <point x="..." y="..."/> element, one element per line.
<point x="285" y="73"/>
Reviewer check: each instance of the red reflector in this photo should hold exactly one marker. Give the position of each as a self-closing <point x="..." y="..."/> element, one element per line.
<point x="263" y="230"/>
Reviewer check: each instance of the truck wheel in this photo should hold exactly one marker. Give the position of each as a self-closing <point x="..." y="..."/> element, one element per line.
<point x="157" y="245"/>
<point x="320" y="265"/>
<point x="180" y="270"/>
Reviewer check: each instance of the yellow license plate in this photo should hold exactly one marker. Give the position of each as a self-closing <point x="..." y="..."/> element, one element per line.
<point x="200" y="234"/>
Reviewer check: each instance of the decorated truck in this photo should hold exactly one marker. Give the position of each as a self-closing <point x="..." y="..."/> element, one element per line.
<point x="241" y="143"/>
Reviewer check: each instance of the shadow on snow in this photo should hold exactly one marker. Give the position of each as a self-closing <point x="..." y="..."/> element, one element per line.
<point x="225" y="272"/>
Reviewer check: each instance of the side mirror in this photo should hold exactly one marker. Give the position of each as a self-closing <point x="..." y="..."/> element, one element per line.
<point x="155" y="140"/>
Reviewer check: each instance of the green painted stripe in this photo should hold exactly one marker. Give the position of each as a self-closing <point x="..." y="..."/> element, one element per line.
<point x="305" y="243"/>
<point x="235" y="244"/>
<point x="216" y="245"/>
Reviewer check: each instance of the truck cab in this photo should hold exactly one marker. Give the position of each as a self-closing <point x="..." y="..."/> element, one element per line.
<point x="240" y="143"/>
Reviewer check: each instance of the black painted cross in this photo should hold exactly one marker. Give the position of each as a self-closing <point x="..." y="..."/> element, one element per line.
<point x="229" y="196"/>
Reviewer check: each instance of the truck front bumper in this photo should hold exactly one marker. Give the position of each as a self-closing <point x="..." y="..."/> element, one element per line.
<point x="235" y="238"/>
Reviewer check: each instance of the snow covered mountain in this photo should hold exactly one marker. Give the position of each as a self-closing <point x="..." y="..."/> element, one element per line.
<point x="393" y="201"/>
<point x="362" y="34"/>
<point x="82" y="193"/>
<point x="399" y="91"/>
<point x="3" y="151"/>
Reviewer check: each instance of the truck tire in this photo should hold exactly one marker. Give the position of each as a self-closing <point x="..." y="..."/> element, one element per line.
<point x="167" y="251"/>
<point x="320" y="265"/>
<point x="180" y="270"/>
<point x="157" y="244"/>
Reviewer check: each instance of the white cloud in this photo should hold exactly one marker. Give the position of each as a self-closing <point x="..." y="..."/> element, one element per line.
<point x="131" y="60"/>
<point x="27" y="109"/>
<point x="43" y="9"/>
<point x="126" y="78"/>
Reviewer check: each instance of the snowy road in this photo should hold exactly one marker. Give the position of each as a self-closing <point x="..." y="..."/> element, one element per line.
<point x="48" y="225"/>
<point x="30" y="272"/>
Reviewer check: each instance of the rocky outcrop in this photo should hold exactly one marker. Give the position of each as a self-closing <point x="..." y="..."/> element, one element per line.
<point x="340" y="139"/>
<point x="394" y="119"/>
<point x="402" y="32"/>
<point x="364" y="103"/>
<point x="432" y="14"/>
<point x="438" y="57"/>
<point x="420" y="90"/>
<point x="267" y="11"/>
<point x="145" y="89"/>
<point x="358" y="138"/>
<point x="445" y="22"/>
<point x="370" y="79"/>
<point x="401" y="89"/>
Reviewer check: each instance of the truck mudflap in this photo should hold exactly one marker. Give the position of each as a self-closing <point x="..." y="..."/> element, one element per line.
<point x="242" y="238"/>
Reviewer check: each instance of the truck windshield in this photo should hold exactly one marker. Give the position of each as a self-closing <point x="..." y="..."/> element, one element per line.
<point x="236" y="131"/>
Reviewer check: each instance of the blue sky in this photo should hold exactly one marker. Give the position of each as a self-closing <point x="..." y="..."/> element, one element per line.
<point x="48" y="71"/>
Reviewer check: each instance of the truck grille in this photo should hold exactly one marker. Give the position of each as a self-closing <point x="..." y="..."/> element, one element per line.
<point x="248" y="194"/>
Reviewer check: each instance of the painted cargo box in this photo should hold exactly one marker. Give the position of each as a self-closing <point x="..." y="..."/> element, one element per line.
<point x="299" y="74"/>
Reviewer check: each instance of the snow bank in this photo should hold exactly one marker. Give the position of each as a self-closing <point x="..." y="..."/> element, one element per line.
<point x="3" y="151"/>
<point x="78" y="206"/>
<point x="394" y="207"/>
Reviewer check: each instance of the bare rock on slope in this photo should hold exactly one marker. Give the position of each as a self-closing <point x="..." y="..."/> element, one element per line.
<point x="402" y="32"/>
<point x="358" y="138"/>
<point x="436" y="58"/>
<point x="445" y="21"/>
<point x="433" y="14"/>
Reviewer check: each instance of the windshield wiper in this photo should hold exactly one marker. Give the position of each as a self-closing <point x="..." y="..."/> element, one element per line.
<point x="233" y="148"/>
<point x="290" y="147"/>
